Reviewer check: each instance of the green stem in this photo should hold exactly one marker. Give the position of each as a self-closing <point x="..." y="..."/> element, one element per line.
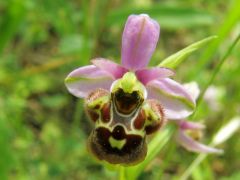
<point x="191" y="168"/>
<point x="231" y="19"/>
<point x="216" y="71"/>
<point x="201" y="157"/>
<point x="122" y="175"/>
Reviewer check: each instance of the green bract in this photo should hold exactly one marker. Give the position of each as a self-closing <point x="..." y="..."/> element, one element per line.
<point x="174" y="60"/>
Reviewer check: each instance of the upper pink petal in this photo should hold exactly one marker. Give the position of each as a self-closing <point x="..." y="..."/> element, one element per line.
<point x="139" y="41"/>
<point x="176" y="101"/>
<point x="113" y="69"/>
<point x="147" y="75"/>
<point x="192" y="145"/>
<point x="83" y="80"/>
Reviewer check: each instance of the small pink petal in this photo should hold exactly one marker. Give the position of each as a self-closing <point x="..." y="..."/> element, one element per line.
<point x="176" y="101"/>
<point x="83" y="80"/>
<point x="192" y="145"/>
<point x="113" y="69"/>
<point x="147" y="75"/>
<point x="139" y="41"/>
<point x="184" y="125"/>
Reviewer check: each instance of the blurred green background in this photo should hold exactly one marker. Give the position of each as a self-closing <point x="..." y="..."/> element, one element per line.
<point x="43" y="129"/>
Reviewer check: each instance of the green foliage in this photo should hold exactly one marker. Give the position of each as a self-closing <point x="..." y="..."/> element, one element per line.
<point x="231" y="19"/>
<point x="11" y="21"/>
<point x="174" y="60"/>
<point x="170" y="16"/>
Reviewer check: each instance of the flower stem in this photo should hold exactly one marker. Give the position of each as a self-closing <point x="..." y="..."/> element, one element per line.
<point x="191" y="168"/>
<point x="122" y="175"/>
<point x="201" y="157"/>
<point x="216" y="71"/>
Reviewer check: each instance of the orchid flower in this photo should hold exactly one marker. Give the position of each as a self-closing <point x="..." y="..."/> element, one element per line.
<point x="189" y="142"/>
<point x="128" y="101"/>
<point x="187" y="129"/>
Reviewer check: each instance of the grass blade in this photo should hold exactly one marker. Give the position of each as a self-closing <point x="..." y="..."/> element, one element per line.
<point x="217" y="69"/>
<point x="174" y="60"/>
<point x="232" y="18"/>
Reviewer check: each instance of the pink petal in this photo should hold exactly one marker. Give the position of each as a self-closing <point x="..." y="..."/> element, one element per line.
<point x="113" y="69"/>
<point x="176" y="101"/>
<point x="192" y="145"/>
<point x="147" y="75"/>
<point x="83" y="80"/>
<point x="184" y="125"/>
<point x="139" y="41"/>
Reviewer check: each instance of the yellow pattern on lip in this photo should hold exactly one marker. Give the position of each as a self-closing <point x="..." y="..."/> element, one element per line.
<point x="117" y="143"/>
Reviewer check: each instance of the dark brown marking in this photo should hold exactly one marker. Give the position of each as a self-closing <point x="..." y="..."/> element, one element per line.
<point x="93" y="115"/>
<point x="119" y="133"/>
<point x="126" y="102"/>
<point x="105" y="111"/>
<point x="93" y="112"/>
<point x="97" y="107"/>
<point x="152" y="128"/>
<point x="140" y="120"/>
<point x="133" y="151"/>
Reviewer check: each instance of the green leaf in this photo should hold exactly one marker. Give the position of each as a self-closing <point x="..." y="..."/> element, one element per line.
<point x="174" y="60"/>
<point x="168" y="16"/>
<point x="154" y="147"/>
